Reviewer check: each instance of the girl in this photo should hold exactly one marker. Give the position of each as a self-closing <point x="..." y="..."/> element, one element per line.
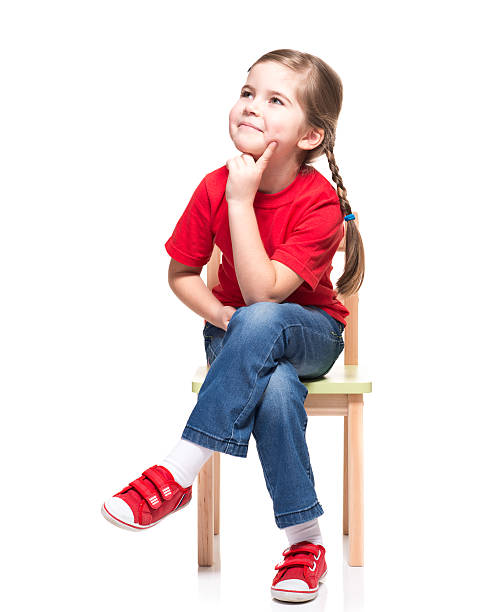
<point x="274" y="319"/>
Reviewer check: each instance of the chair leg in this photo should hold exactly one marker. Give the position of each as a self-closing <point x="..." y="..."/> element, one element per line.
<point x="216" y="493"/>
<point x="345" y="500"/>
<point x="355" y="478"/>
<point x="205" y="513"/>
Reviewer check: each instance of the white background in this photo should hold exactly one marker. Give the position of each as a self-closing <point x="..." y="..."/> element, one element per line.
<point x="111" y="113"/>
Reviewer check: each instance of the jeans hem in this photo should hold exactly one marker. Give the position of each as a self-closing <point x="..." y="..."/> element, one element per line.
<point x="207" y="441"/>
<point x="301" y="516"/>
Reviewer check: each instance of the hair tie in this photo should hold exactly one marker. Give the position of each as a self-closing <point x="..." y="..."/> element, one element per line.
<point x="349" y="217"/>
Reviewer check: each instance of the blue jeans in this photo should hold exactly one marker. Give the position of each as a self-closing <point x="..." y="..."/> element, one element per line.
<point x="253" y="385"/>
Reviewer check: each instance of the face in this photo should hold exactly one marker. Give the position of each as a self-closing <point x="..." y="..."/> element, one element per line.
<point x="275" y="116"/>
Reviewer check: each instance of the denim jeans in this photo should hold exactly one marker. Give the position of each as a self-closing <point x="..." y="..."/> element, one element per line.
<point x="253" y="385"/>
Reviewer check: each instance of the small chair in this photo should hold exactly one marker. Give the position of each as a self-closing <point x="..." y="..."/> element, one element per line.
<point x="339" y="393"/>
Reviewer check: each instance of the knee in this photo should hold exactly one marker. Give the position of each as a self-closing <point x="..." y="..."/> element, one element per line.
<point x="281" y="404"/>
<point x="257" y="316"/>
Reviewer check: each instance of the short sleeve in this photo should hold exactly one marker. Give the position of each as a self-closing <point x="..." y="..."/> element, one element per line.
<point x="313" y="241"/>
<point x="191" y="242"/>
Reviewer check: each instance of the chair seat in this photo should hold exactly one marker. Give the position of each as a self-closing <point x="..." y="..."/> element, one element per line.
<point x="340" y="379"/>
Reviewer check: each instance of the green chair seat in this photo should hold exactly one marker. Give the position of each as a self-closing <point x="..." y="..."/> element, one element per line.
<point x="340" y="379"/>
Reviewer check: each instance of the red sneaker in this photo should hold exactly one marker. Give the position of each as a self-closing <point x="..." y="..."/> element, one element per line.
<point x="300" y="572"/>
<point x="147" y="500"/>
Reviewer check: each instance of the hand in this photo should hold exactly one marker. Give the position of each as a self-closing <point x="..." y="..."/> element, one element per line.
<point x="245" y="174"/>
<point x="224" y="316"/>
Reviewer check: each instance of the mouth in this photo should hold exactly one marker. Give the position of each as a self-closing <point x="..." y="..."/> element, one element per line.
<point x="248" y="125"/>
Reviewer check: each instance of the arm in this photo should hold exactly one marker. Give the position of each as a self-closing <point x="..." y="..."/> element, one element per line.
<point x="260" y="278"/>
<point x="187" y="284"/>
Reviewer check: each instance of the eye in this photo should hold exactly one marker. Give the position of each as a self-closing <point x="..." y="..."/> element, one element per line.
<point x="242" y="95"/>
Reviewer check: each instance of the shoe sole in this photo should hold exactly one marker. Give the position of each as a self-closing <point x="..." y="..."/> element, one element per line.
<point x="119" y="523"/>
<point x="297" y="595"/>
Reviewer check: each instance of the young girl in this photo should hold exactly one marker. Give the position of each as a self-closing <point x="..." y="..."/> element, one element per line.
<point x="274" y="319"/>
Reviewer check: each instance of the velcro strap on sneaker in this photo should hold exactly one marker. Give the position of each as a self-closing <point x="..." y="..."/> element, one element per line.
<point x="301" y="548"/>
<point x="147" y="491"/>
<point x="159" y="479"/>
<point x="295" y="562"/>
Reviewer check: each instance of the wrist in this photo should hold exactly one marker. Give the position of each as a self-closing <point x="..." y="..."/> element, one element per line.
<point x="246" y="202"/>
<point x="215" y="316"/>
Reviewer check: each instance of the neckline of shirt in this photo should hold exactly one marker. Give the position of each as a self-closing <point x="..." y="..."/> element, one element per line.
<point x="274" y="200"/>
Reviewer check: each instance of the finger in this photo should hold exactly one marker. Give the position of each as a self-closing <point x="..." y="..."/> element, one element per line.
<point x="246" y="158"/>
<point x="232" y="162"/>
<point x="265" y="158"/>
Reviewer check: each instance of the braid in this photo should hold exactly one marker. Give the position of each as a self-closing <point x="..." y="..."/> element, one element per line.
<point x="354" y="266"/>
<point x="341" y="190"/>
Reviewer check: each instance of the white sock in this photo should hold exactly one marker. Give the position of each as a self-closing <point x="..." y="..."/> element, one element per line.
<point x="185" y="461"/>
<point x="309" y="531"/>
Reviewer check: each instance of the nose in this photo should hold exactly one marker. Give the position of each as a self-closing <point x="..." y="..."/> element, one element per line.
<point x="251" y="107"/>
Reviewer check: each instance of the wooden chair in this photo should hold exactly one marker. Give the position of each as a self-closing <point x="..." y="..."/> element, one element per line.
<point x="339" y="393"/>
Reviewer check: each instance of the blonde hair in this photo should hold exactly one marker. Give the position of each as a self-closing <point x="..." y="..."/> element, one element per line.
<point x="320" y="96"/>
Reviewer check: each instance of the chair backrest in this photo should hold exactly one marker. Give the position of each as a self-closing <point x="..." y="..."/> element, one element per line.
<point x="350" y="302"/>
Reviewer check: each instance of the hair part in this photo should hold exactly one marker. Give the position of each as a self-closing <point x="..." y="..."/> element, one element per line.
<point x="320" y="96"/>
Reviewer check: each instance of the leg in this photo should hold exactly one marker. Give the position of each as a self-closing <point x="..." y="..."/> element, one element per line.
<point x="279" y="430"/>
<point x="355" y="478"/>
<point x="205" y="516"/>
<point x="257" y="339"/>
<point x="345" y="498"/>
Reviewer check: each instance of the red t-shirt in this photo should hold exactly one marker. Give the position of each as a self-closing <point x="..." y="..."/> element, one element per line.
<point x="300" y="226"/>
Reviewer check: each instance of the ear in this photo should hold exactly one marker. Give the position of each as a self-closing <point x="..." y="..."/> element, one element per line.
<point x="311" y="139"/>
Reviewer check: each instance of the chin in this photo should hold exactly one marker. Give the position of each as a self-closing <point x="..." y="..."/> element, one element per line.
<point x="245" y="147"/>
<point x="248" y="151"/>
